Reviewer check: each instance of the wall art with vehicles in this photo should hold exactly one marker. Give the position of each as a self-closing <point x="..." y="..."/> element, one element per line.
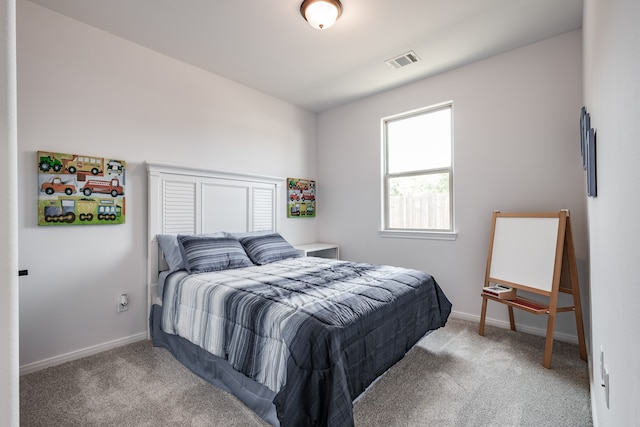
<point x="301" y="198"/>
<point x="77" y="189"/>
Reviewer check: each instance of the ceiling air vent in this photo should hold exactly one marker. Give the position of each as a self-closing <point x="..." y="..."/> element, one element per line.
<point x="403" y="60"/>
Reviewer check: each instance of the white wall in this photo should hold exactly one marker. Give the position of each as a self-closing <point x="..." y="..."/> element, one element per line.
<point x="81" y="90"/>
<point x="612" y="96"/>
<point x="516" y="149"/>
<point x="9" y="382"/>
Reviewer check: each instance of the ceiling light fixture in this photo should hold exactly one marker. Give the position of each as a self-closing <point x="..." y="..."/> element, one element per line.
<point x="321" y="14"/>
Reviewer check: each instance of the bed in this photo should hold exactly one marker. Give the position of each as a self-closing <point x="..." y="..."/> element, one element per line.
<point x="297" y="339"/>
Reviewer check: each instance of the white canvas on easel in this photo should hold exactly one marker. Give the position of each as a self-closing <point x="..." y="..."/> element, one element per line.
<point x="524" y="251"/>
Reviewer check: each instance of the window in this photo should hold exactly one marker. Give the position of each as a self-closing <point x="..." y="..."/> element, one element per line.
<point x="417" y="172"/>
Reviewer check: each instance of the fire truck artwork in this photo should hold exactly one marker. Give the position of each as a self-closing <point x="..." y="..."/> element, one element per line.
<point x="77" y="189"/>
<point x="301" y="200"/>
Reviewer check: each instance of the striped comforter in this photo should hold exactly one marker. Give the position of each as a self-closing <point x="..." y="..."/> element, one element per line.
<point x="315" y="331"/>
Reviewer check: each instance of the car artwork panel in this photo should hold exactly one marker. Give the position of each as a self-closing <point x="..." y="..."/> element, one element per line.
<point x="77" y="189"/>
<point x="301" y="198"/>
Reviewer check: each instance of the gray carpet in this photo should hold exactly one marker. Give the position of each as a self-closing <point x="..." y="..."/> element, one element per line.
<point x="454" y="377"/>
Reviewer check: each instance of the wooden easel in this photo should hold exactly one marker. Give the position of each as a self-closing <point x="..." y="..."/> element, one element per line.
<point x="534" y="252"/>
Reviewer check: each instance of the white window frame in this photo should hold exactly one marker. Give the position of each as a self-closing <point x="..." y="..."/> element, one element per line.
<point x="385" y="231"/>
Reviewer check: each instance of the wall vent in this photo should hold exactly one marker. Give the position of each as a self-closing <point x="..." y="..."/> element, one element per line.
<point x="403" y="60"/>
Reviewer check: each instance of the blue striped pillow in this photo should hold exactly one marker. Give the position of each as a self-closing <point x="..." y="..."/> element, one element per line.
<point x="266" y="248"/>
<point x="171" y="249"/>
<point x="206" y="253"/>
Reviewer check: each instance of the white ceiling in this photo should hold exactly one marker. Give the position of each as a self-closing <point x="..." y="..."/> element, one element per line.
<point x="267" y="45"/>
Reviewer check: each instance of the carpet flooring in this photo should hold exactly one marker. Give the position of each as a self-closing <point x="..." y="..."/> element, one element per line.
<point x="453" y="377"/>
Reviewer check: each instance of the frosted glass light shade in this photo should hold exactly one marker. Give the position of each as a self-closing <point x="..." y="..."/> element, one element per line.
<point x="321" y="14"/>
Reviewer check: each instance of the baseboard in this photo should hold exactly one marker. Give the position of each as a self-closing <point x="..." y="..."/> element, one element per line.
<point x="89" y="351"/>
<point x="572" y="339"/>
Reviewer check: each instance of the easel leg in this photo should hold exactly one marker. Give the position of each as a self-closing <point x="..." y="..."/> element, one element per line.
<point x="575" y="289"/>
<point x="581" y="343"/>
<point x="483" y="313"/>
<point x="548" y="344"/>
<point x="512" y="321"/>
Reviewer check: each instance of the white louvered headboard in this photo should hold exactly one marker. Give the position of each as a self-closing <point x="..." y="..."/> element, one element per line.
<point x="185" y="200"/>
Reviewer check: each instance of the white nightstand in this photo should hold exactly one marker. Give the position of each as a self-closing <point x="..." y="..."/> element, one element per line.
<point x="322" y="250"/>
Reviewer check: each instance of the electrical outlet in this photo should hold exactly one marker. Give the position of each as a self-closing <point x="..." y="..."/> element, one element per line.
<point x="606" y="386"/>
<point x="123" y="303"/>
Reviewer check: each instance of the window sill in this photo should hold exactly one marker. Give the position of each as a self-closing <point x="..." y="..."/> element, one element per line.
<point x="426" y="235"/>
